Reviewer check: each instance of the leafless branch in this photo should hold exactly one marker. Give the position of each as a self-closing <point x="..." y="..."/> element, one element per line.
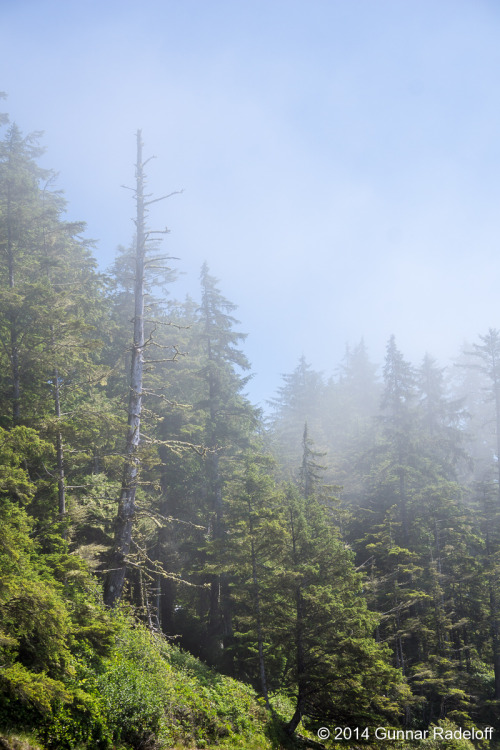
<point x="163" y="197"/>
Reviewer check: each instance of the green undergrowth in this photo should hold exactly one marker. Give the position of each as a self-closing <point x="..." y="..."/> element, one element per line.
<point x="156" y="695"/>
<point x="77" y="676"/>
<point x="139" y="693"/>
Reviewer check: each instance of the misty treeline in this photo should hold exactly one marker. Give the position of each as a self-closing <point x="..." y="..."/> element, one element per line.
<point x="342" y="552"/>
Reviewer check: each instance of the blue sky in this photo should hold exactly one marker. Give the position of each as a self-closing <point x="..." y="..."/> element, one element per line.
<point x="340" y="159"/>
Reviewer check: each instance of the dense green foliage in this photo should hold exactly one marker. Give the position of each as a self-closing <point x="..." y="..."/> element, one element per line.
<point x="337" y="565"/>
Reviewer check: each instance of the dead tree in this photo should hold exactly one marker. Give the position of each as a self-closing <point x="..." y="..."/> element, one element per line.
<point x="115" y="577"/>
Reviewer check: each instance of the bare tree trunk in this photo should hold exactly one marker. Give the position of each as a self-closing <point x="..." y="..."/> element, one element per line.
<point x="115" y="579"/>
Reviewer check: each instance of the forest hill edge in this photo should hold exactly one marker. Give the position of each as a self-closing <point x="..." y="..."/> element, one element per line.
<point x="438" y="733"/>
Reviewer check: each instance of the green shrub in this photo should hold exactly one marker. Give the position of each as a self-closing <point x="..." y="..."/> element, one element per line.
<point x="135" y="688"/>
<point x="155" y="695"/>
<point x="77" y="723"/>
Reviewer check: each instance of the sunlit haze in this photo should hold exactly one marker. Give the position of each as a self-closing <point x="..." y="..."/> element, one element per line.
<point x="339" y="161"/>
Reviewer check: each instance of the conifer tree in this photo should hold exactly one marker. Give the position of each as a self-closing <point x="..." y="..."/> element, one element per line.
<point x="310" y="470"/>
<point x="357" y="383"/>
<point x="21" y="229"/>
<point x="335" y="664"/>
<point x="228" y="418"/>
<point x="50" y="301"/>
<point x="398" y="403"/>
<point x="253" y="551"/>
<point x="441" y="419"/>
<point x="299" y="400"/>
<point x="488" y="354"/>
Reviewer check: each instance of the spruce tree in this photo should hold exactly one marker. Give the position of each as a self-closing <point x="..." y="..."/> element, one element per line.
<point x="487" y="355"/>
<point x="335" y="668"/>
<point x="299" y="400"/>
<point x="228" y="422"/>
<point x="51" y="298"/>
<point x="21" y="246"/>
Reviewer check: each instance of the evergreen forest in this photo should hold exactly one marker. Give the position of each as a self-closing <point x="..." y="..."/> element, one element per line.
<point x="179" y="569"/>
